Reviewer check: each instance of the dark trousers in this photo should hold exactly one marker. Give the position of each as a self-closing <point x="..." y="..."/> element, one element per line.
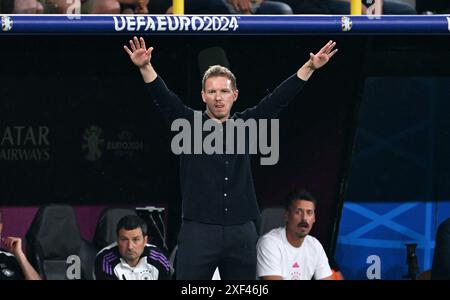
<point x="441" y="259"/>
<point x="203" y="247"/>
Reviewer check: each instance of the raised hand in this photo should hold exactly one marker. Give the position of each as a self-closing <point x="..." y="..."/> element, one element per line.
<point x="139" y="54"/>
<point x="241" y="6"/>
<point x="319" y="59"/>
<point x="14" y="245"/>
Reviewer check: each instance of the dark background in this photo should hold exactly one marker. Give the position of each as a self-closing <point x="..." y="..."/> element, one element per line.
<point x="69" y="83"/>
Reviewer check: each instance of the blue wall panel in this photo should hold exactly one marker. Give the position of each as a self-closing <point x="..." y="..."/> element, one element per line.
<point x="398" y="189"/>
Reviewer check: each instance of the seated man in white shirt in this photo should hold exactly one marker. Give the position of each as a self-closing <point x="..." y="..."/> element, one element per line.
<point x="288" y="252"/>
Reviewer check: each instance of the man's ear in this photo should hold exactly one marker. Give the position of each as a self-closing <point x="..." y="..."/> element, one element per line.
<point x="203" y="96"/>
<point x="145" y="239"/>
<point x="236" y="94"/>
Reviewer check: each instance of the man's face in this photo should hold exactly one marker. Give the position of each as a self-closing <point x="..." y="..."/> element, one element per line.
<point x="131" y="244"/>
<point x="219" y="97"/>
<point x="300" y="217"/>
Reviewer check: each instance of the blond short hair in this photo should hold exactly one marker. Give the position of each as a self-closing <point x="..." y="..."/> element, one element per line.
<point x="219" y="71"/>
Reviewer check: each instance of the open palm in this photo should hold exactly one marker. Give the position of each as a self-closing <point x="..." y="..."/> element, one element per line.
<point x="139" y="54"/>
<point x="319" y="59"/>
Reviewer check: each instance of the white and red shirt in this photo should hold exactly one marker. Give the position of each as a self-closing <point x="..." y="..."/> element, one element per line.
<point x="277" y="257"/>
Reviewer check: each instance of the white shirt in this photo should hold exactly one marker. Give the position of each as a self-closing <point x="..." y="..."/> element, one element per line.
<point x="152" y="265"/>
<point x="142" y="271"/>
<point x="276" y="256"/>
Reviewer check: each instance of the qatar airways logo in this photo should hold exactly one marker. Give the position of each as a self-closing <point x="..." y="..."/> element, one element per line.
<point x="231" y="137"/>
<point x="24" y="143"/>
<point x="176" y="23"/>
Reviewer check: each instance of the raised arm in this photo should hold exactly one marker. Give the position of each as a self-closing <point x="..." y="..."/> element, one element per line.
<point x="271" y="105"/>
<point x="317" y="61"/>
<point x="141" y="57"/>
<point x="168" y="103"/>
<point x="14" y="245"/>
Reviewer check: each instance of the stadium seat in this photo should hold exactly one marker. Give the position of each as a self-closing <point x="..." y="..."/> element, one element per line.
<point x="105" y="231"/>
<point x="271" y="217"/>
<point x="53" y="236"/>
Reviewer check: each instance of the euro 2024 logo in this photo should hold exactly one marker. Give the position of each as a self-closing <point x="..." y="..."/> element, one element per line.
<point x="93" y="143"/>
<point x="6" y="23"/>
<point x="346" y="23"/>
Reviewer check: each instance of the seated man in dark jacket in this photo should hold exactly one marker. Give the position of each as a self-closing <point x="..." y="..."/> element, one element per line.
<point x="14" y="264"/>
<point x="131" y="258"/>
